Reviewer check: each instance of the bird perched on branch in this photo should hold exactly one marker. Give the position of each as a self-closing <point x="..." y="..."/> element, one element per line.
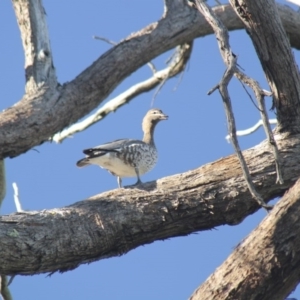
<point x="127" y="157"/>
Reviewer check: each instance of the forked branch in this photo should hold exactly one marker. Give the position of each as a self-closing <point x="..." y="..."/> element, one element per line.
<point x="230" y="60"/>
<point x="175" y="66"/>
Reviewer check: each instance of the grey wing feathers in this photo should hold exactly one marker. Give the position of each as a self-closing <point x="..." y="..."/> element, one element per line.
<point x="114" y="146"/>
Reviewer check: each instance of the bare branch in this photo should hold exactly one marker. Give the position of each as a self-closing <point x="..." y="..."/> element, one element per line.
<point x="274" y="56"/>
<point x="260" y="94"/>
<point x="16" y="198"/>
<point x="96" y="37"/>
<point x="296" y="2"/>
<point x="204" y="198"/>
<point x="176" y="65"/>
<point x="270" y="249"/>
<point x="38" y="56"/>
<point x="251" y="129"/>
<point x="60" y="106"/>
<point x="230" y="60"/>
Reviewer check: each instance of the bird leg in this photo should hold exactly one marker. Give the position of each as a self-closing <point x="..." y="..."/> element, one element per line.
<point x="138" y="176"/>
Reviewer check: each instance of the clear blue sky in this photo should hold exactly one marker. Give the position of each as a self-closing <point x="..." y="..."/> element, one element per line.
<point x="194" y="135"/>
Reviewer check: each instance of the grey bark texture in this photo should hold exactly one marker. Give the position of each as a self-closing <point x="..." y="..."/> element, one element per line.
<point x="118" y="221"/>
<point x="38" y="116"/>
<point x="115" y="222"/>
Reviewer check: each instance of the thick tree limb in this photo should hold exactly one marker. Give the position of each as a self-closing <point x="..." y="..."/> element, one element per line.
<point x="38" y="56"/>
<point x="273" y="248"/>
<point x="176" y="65"/>
<point x="57" y="107"/>
<point x="274" y="56"/>
<point x="117" y="221"/>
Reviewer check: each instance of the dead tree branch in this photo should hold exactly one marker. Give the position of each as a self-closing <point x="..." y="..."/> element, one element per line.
<point x="251" y="129"/>
<point x="175" y="66"/>
<point x="274" y="56"/>
<point x="272" y="248"/>
<point x="260" y="96"/>
<point x="115" y="222"/>
<point x="230" y="61"/>
<point x="57" y="107"/>
<point x="38" y="55"/>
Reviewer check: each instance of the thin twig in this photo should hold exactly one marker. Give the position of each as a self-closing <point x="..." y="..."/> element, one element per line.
<point x="16" y="198"/>
<point x="176" y="66"/>
<point x="96" y="37"/>
<point x="230" y="60"/>
<point x="260" y="96"/>
<point x="251" y="129"/>
<point x="232" y="131"/>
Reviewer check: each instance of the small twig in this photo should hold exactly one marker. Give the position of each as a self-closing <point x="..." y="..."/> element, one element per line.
<point x="96" y="37"/>
<point x="16" y="198"/>
<point x="230" y="60"/>
<point x="251" y="129"/>
<point x="152" y="67"/>
<point x="176" y="66"/>
<point x="260" y="94"/>
<point x="11" y="280"/>
<point x="249" y="95"/>
<point x="270" y="136"/>
<point x="232" y="132"/>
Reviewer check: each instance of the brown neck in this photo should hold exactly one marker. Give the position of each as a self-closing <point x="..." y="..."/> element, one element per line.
<point x="149" y="134"/>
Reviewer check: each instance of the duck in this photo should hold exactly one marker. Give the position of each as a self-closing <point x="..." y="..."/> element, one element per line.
<point x="128" y="157"/>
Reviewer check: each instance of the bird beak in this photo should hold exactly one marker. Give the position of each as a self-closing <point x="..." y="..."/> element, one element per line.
<point x="164" y="117"/>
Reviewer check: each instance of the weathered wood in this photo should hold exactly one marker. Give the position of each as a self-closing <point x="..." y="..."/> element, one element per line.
<point x="276" y="58"/>
<point x="263" y="266"/>
<point x="56" y="107"/>
<point x="117" y="221"/>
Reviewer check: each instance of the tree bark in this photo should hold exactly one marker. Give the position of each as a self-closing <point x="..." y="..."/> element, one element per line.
<point x="38" y="116"/>
<point x="118" y="221"/>
<point x="115" y="222"/>
<point x="265" y="264"/>
<point x="276" y="58"/>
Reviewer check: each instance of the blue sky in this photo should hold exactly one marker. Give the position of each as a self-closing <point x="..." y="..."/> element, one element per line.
<point x="194" y="135"/>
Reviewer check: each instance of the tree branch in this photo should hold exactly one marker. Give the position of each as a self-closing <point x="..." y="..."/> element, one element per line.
<point x="58" y="107"/>
<point x="272" y="248"/>
<point x="274" y="56"/>
<point x="109" y="224"/>
<point x="175" y="66"/>
<point x="230" y="61"/>
<point x="38" y="56"/>
<point x="251" y="129"/>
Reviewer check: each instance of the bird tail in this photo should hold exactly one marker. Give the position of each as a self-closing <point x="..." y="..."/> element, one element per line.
<point x="82" y="163"/>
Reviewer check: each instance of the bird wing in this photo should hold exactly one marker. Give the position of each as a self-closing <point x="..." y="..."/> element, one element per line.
<point x="114" y="146"/>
